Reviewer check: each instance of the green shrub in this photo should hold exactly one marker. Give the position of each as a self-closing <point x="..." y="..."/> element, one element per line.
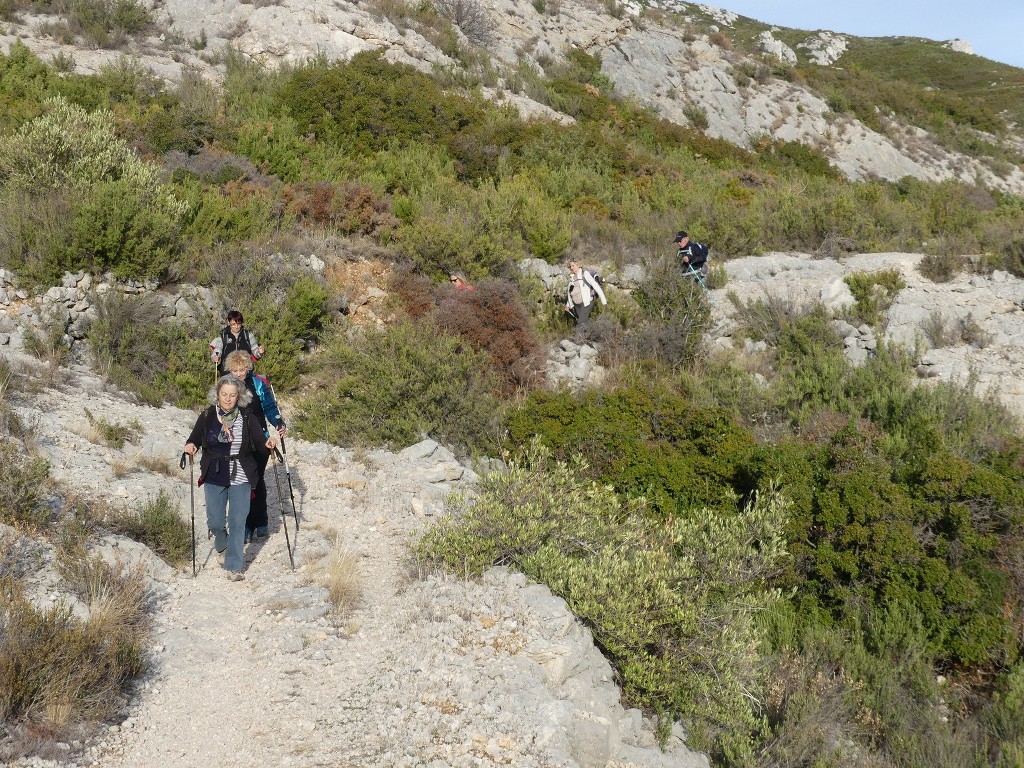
<point x="695" y="657"/>
<point x="159" y="361"/>
<point x="158" y="525"/>
<point x="105" y="23"/>
<point x="235" y="212"/>
<point x="122" y="217"/>
<point x="874" y="293"/>
<point x="395" y="386"/>
<point x="940" y="267"/>
<point x="648" y="442"/>
<point x="676" y="315"/>
<point x="459" y="229"/>
<point x="26" y="482"/>
<point x="368" y="104"/>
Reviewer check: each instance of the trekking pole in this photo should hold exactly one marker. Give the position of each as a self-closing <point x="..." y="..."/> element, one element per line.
<point x="287" y="471"/>
<point x="280" y="505"/>
<point x="192" y="500"/>
<point x="696" y="274"/>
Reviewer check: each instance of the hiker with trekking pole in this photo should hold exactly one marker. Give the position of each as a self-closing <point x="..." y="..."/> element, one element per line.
<point x="233" y="443"/>
<point x="693" y="257"/>
<point x="264" y="408"/>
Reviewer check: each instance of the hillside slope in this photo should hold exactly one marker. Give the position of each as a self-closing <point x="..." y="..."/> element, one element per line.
<point x="691" y="64"/>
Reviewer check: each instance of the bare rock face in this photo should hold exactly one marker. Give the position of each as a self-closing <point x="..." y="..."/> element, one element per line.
<point x="776" y="48"/>
<point x="824" y="48"/>
<point x="962" y="46"/>
<point x="983" y="315"/>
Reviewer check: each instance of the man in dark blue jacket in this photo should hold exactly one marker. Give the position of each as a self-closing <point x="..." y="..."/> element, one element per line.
<point x="693" y="255"/>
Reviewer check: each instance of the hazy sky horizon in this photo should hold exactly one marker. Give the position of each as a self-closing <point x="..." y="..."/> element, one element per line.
<point x="992" y="27"/>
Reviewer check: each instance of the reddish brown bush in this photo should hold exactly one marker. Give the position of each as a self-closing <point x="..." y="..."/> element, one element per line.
<point x="416" y="291"/>
<point x="346" y="208"/>
<point x="493" y="318"/>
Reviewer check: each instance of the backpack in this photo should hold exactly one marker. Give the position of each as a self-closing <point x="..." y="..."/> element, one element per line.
<point x="701" y="249"/>
<point x="597" y="278"/>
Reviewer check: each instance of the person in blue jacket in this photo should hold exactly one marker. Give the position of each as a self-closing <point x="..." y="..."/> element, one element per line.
<point x="264" y="408"/>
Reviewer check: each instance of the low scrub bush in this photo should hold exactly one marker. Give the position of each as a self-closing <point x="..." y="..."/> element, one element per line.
<point x="675" y="316"/>
<point x="874" y="293"/>
<point x="941" y="267"/>
<point x="104" y="23"/>
<point x="492" y="318"/>
<point x="395" y="386"/>
<point x="767" y="318"/>
<point x="937" y="331"/>
<point x="115" y="434"/>
<point x="672" y="605"/>
<point x="368" y="104"/>
<point x="344" y="208"/>
<point x="649" y="442"/>
<point x="119" y="215"/>
<point x="158" y="525"/>
<point x="26" y="482"/>
<point x="57" y="670"/>
<point x="159" y="361"/>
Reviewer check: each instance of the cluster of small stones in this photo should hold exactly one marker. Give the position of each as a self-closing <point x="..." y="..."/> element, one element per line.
<point x="574" y="365"/>
<point x="859" y="342"/>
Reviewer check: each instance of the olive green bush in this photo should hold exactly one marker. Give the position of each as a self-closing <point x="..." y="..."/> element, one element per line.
<point x="158" y="525"/>
<point x="26" y="482"/>
<point x="672" y="605"/>
<point x="874" y="293"/>
<point x="675" y="317"/>
<point x="645" y="441"/>
<point x="120" y="216"/>
<point x="393" y="387"/>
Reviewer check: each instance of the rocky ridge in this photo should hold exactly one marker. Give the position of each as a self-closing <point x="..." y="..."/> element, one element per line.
<point x="663" y="65"/>
<point x="992" y="305"/>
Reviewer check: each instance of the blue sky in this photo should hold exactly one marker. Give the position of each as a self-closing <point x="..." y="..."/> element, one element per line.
<point x="994" y="27"/>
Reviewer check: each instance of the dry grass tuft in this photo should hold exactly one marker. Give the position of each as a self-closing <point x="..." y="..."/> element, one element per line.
<point x="339" y="573"/>
<point x="56" y="669"/>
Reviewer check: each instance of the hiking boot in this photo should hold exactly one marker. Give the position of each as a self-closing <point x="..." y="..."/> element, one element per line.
<point x="235" y="576"/>
<point x="262" y="532"/>
<point x="249" y="535"/>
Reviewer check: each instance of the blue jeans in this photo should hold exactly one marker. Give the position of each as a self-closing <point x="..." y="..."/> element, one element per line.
<point x="232" y="503"/>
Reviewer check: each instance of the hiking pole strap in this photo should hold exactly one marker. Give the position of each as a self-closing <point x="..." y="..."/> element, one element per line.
<point x="184" y="460"/>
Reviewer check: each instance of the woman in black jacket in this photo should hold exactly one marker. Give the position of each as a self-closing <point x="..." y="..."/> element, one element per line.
<point x="232" y="442"/>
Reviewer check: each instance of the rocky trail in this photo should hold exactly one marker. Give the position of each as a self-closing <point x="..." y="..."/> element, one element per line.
<point x="424" y="670"/>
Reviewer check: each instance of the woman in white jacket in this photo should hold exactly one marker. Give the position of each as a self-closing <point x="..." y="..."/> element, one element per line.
<point x="580" y="295"/>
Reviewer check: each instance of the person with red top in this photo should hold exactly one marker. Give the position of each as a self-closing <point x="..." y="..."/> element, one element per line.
<point x="459" y="283"/>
